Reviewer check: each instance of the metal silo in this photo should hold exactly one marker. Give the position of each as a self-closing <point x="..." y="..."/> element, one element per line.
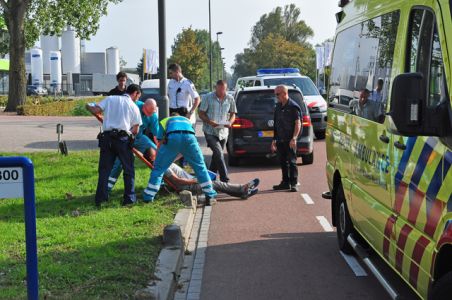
<point x="70" y="51"/>
<point x="113" y="60"/>
<point x="48" y="43"/>
<point x="36" y="67"/>
<point x="55" y="71"/>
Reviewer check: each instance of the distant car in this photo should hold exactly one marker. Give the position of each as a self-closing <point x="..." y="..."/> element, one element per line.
<point x="33" y="90"/>
<point x="252" y="132"/>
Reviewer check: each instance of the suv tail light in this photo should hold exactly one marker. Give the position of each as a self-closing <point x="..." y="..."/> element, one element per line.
<point x="242" y="123"/>
<point x="306" y="121"/>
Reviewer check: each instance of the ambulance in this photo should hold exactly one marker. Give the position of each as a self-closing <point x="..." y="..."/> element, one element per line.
<point x="389" y="137"/>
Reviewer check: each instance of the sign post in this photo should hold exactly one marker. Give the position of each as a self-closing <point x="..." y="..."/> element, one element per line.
<point x="17" y="181"/>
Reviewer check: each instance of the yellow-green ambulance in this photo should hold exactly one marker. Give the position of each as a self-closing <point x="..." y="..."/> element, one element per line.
<point x="389" y="136"/>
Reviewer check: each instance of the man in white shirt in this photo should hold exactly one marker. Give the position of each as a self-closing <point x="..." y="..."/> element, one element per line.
<point x="182" y="93"/>
<point x="121" y="122"/>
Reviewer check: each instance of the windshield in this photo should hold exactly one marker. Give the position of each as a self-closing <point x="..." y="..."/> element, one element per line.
<point x="305" y="84"/>
<point x="264" y="101"/>
<point x="151" y="91"/>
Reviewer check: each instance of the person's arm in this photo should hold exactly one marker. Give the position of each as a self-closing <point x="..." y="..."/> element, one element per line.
<point x="296" y="131"/>
<point x="135" y="129"/>
<point x="232" y="113"/>
<point x="231" y="119"/>
<point x="178" y="180"/>
<point x="94" y="109"/>
<point x="275" y="134"/>
<point x="203" y="116"/>
<point x="196" y="102"/>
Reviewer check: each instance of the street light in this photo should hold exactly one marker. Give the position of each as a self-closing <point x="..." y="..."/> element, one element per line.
<point x="210" y="49"/>
<point x="219" y="54"/>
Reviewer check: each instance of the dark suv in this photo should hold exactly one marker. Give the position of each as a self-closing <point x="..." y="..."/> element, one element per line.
<point x="252" y="132"/>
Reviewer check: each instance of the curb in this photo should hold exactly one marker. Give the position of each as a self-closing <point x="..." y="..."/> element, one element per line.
<point x="171" y="258"/>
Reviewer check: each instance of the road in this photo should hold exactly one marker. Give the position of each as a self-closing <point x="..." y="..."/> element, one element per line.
<point x="279" y="245"/>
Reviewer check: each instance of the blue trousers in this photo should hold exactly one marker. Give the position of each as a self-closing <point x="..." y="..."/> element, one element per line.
<point x="141" y="143"/>
<point x="112" y="148"/>
<point x="187" y="145"/>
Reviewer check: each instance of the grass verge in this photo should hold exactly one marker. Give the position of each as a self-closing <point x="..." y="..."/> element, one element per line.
<point x="83" y="252"/>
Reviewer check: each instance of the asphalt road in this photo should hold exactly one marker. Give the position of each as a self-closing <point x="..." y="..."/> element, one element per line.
<point x="274" y="246"/>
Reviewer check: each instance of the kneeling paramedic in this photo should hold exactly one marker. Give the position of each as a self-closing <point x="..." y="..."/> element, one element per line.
<point x="121" y="121"/>
<point x="178" y="136"/>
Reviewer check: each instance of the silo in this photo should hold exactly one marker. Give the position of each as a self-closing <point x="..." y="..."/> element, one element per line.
<point x="36" y="67"/>
<point x="70" y="51"/>
<point x="48" y="43"/>
<point x="113" y="60"/>
<point x="55" y="71"/>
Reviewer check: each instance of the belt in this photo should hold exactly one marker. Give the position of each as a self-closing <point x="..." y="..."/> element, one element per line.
<point x="117" y="133"/>
<point x="180" y="131"/>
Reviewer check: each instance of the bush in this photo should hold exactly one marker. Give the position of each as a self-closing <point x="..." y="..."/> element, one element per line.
<point x="49" y="106"/>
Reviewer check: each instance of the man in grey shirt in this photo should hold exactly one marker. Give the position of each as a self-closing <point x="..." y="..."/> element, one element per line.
<point x="217" y="111"/>
<point x="182" y="180"/>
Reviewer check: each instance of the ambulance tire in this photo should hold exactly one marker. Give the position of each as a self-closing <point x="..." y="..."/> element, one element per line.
<point x="344" y="223"/>
<point x="442" y="290"/>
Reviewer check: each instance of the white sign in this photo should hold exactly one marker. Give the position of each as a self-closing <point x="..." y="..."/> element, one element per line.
<point x="11" y="183"/>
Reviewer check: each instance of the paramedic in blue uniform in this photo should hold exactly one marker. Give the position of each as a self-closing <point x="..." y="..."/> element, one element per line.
<point x="142" y="143"/>
<point x="121" y="122"/>
<point x="178" y="136"/>
<point x="182" y="94"/>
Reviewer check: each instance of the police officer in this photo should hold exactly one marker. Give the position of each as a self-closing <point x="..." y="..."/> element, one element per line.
<point x="287" y="127"/>
<point x="182" y="94"/>
<point x="178" y="136"/>
<point x="142" y="142"/>
<point x="121" y="121"/>
<point x="120" y="89"/>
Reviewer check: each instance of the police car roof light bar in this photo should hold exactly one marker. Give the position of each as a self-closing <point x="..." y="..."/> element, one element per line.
<point x="278" y="71"/>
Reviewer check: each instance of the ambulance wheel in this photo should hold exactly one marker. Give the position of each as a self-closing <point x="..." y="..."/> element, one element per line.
<point x="442" y="290"/>
<point x="344" y="223"/>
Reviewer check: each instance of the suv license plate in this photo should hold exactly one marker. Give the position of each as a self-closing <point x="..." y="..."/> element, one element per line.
<point x="268" y="133"/>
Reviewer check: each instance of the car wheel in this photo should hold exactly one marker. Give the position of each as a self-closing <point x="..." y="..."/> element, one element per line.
<point x="308" y="159"/>
<point x="442" y="290"/>
<point x="233" y="161"/>
<point x="344" y="223"/>
<point x="320" y="135"/>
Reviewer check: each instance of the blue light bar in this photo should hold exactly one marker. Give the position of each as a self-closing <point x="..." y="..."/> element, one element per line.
<point x="277" y="71"/>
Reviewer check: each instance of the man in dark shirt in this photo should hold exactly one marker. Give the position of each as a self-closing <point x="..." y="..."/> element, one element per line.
<point x="287" y="127"/>
<point x="120" y="89"/>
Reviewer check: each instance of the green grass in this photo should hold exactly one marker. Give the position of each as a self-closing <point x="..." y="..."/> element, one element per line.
<point x="83" y="252"/>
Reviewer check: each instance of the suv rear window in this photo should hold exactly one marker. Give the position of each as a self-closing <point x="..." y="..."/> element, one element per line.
<point x="263" y="102"/>
<point x="306" y="85"/>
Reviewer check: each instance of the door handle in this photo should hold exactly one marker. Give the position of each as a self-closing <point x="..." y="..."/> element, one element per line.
<point x="384" y="139"/>
<point x="399" y="145"/>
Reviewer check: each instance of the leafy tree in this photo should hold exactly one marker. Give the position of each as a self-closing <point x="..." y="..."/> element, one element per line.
<point x="26" y="19"/>
<point x="140" y="69"/>
<point x="122" y="62"/>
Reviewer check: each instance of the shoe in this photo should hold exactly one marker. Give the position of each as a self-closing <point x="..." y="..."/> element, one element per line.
<point x="282" y="186"/>
<point x="253" y="183"/>
<point x="294" y="188"/>
<point x="128" y="203"/>
<point x="147" y="198"/>
<point x="252" y="192"/>
<point x="210" y="201"/>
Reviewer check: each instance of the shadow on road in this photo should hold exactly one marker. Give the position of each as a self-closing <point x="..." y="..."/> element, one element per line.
<point x="71" y="145"/>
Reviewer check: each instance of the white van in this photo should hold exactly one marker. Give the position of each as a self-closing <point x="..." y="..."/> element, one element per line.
<point x="292" y="77"/>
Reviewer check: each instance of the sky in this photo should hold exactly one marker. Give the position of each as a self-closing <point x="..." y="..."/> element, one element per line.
<point x="133" y="25"/>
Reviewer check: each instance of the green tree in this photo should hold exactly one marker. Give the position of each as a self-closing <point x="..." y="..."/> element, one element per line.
<point x="26" y="19"/>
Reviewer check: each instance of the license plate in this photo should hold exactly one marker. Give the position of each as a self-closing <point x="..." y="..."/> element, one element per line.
<point x="268" y="133"/>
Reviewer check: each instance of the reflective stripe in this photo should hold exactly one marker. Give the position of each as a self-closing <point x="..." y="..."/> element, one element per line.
<point x="112" y="179"/>
<point x="208" y="190"/>
<point x="205" y="184"/>
<point x="154" y="187"/>
<point x="110" y="185"/>
<point x="148" y="192"/>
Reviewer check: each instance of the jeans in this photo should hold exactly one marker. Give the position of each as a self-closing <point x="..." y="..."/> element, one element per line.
<point x="288" y="162"/>
<point x="217" y="163"/>
<point x="232" y="189"/>
<point x="110" y="149"/>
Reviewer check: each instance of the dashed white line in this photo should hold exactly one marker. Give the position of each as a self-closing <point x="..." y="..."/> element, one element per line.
<point x="354" y="265"/>
<point x="325" y="224"/>
<point x="307" y="199"/>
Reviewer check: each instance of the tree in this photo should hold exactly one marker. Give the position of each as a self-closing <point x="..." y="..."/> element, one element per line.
<point x="26" y="19"/>
<point x="122" y="62"/>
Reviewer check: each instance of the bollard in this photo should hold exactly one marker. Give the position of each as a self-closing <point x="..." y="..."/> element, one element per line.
<point x="172" y="236"/>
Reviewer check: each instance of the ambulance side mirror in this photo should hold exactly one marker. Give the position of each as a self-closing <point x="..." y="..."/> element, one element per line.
<point x="409" y="111"/>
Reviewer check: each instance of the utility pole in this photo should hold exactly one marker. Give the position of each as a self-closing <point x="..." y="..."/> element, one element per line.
<point x="164" y="104"/>
<point x="210" y="47"/>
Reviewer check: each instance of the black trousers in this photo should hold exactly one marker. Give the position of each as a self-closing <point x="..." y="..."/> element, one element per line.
<point x="179" y="110"/>
<point x="217" y="164"/>
<point x="288" y="162"/>
<point x="112" y="147"/>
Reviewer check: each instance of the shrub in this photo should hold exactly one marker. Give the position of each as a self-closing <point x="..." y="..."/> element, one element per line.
<point x="49" y="106"/>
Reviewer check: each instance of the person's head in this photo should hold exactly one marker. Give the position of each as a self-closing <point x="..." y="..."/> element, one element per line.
<point x="175" y="71"/>
<point x="220" y="88"/>
<point x="282" y="93"/>
<point x="121" y="78"/>
<point x="380" y="83"/>
<point x="149" y="107"/>
<point x="134" y="91"/>
<point x="364" y="96"/>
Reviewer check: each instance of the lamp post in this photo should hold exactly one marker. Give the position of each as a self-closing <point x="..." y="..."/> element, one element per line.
<point x="164" y="104"/>
<point x="219" y="54"/>
<point x="210" y="49"/>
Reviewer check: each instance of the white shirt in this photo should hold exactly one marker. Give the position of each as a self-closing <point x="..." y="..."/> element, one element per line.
<point x="181" y="93"/>
<point x="120" y="112"/>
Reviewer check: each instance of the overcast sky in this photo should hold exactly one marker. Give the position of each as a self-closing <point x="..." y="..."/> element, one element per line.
<point x="132" y="25"/>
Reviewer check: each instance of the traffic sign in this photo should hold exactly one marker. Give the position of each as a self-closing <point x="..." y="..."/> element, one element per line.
<point x="17" y="180"/>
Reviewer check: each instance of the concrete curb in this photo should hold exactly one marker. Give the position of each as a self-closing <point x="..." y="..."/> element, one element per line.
<point x="171" y="258"/>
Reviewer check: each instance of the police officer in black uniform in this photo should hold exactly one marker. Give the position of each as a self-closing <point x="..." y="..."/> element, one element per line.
<point x="120" y="89"/>
<point x="121" y="122"/>
<point x="288" y="116"/>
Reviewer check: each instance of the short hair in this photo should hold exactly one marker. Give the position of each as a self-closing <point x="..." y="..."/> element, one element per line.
<point x="133" y="88"/>
<point x="282" y="87"/>
<point x="175" y="67"/>
<point x="222" y="82"/>
<point x="120" y="75"/>
<point x="380" y="81"/>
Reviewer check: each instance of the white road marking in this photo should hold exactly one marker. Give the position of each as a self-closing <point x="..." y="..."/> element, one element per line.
<point x="307" y="199"/>
<point x="354" y="265"/>
<point x="325" y="224"/>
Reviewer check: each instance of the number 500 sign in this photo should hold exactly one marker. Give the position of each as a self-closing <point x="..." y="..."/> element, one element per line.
<point x="11" y="183"/>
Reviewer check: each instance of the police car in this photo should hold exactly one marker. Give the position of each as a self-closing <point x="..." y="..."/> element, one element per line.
<point x="291" y="77"/>
<point x="389" y="161"/>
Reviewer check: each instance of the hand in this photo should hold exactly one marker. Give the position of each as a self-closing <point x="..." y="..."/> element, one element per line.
<point x="229" y="125"/>
<point x="273" y="147"/>
<point x="293" y="144"/>
<point x="213" y="124"/>
<point x="189" y="115"/>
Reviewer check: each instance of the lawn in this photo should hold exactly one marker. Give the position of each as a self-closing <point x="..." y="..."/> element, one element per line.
<point x="83" y="252"/>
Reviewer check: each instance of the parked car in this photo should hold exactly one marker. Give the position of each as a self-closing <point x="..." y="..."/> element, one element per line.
<point x="252" y="132"/>
<point x="34" y="90"/>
